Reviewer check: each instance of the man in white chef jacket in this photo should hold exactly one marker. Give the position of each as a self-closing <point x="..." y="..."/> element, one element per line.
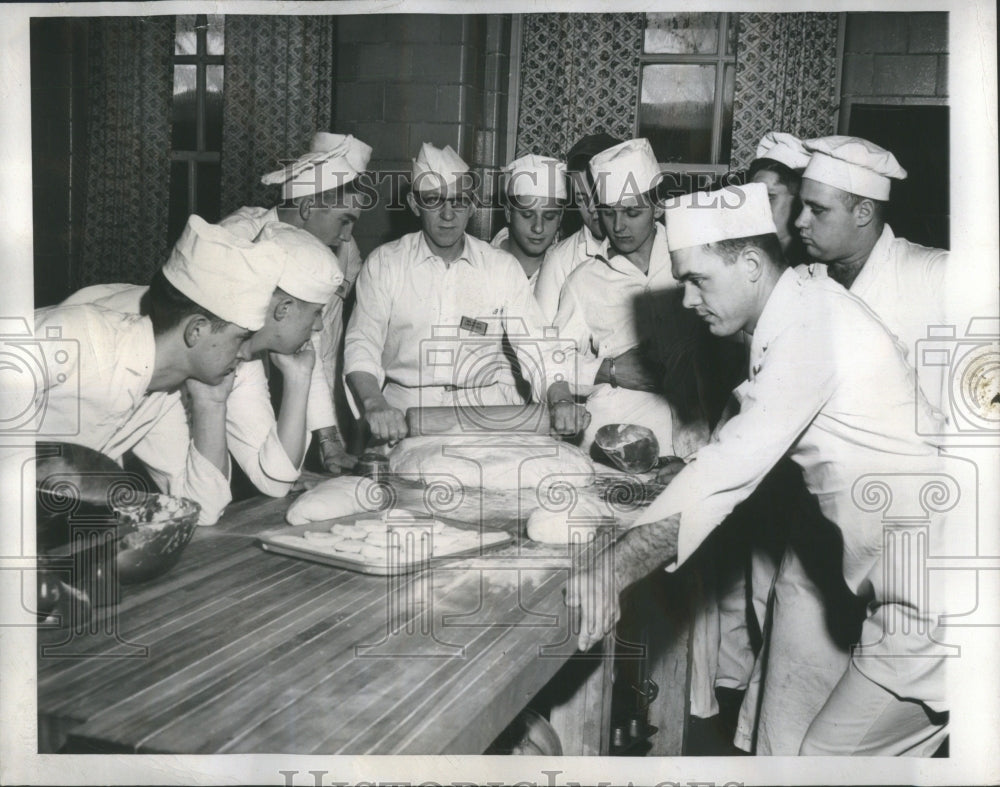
<point x="843" y="414"/>
<point x="118" y="390"/>
<point x="844" y="193"/>
<point x="432" y="309"/>
<point x="534" y="197"/>
<point x="270" y="450"/>
<point x="320" y="195"/>
<point x="612" y="305"/>
<point x="583" y="244"/>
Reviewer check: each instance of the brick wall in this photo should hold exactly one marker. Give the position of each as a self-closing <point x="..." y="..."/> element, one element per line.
<point x="405" y="79"/>
<point x="896" y="58"/>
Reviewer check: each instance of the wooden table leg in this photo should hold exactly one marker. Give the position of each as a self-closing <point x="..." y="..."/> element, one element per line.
<point x="583" y="720"/>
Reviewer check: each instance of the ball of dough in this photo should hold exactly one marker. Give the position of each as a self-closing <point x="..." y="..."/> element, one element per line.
<point x="580" y="522"/>
<point x="335" y="498"/>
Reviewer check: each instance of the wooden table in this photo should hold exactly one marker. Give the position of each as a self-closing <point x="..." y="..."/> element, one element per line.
<point x="239" y="650"/>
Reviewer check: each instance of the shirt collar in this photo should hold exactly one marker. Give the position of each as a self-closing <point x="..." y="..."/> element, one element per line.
<point x="470" y="254"/>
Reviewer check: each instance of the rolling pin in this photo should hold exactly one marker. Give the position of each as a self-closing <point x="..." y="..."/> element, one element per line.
<point x="517" y="418"/>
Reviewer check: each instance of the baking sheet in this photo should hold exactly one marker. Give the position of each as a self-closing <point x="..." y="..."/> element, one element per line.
<point x="269" y="541"/>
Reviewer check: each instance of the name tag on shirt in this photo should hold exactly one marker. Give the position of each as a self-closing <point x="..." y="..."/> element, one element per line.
<point x="473" y="326"/>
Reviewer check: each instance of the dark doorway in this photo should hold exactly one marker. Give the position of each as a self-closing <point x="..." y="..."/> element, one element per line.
<point x="918" y="136"/>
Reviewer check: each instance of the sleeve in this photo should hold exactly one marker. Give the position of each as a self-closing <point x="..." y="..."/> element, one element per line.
<point x="178" y="469"/>
<point x="572" y="326"/>
<point x="319" y="406"/>
<point x="551" y="277"/>
<point x="776" y="407"/>
<point x="369" y="324"/>
<point x="252" y="432"/>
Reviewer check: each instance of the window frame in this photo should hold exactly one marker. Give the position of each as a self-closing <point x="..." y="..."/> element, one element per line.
<point x="201" y="60"/>
<point x="720" y="59"/>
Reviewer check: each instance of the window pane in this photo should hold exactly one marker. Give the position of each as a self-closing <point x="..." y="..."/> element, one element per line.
<point x="216" y="38"/>
<point x="675" y="112"/>
<point x="209" y="191"/>
<point x="183" y="136"/>
<point x="185" y="41"/>
<point x="179" y="210"/>
<point x="732" y="33"/>
<point x="728" y="91"/>
<point x="213" y="107"/>
<point x="681" y="34"/>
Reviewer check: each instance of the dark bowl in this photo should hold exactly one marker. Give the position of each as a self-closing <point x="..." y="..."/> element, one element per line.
<point x="152" y="535"/>
<point x="631" y="447"/>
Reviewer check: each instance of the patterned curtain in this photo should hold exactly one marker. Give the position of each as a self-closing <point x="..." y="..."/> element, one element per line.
<point x="579" y="75"/>
<point x="129" y="89"/>
<point x="279" y="92"/>
<point x="786" y="79"/>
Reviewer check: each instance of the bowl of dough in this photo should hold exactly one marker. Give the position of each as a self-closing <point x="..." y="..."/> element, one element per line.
<point x="152" y="535"/>
<point x="632" y="448"/>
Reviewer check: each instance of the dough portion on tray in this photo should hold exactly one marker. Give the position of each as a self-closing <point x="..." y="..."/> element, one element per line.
<point x="492" y="460"/>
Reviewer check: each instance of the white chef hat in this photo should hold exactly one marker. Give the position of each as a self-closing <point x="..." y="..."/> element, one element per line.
<point x="333" y="160"/>
<point x="231" y="277"/>
<point x="434" y="168"/>
<point x="710" y="216"/>
<point x="309" y="269"/>
<point x="536" y="176"/>
<point x="784" y="148"/>
<point x="625" y="172"/>
<point x="853" y="165"/>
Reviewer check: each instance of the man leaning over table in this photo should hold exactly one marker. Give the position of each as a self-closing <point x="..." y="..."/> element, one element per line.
<point x="320" y="194"/>
<point x="840" y="414"/>
<point x="269" y="450"/>
<point x="845" y="190"/>
<point x="120" y="391"/>
<point x="442" y="288"/>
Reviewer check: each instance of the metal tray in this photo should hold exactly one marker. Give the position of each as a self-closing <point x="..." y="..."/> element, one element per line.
<point x="269" y="543"/>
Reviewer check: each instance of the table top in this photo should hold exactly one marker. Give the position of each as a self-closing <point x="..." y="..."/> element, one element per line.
<point x="238" y="650"/>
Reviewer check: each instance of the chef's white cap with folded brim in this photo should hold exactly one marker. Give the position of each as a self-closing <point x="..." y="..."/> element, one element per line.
<point x="710" y="216"/>
<point x="783" y="148"/>
<point x="437" y="169"/>
<point x="853" y="165"/>
<point x="309" y="269"/>
<point x="231" y="277"/>
<point x="333" y="160"/>
<point x="625" y="172"/>
<point x="536" y="176"/>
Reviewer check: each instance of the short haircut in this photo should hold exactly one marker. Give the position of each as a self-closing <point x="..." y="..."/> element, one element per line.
<point x="768" y="243"/>
<point x="330" y="198"/>
<point x="167" y="306"/>
<point x="520" y="203"/>
<point x="648" y="199"/>
<point x="851" y="201"/>
<point x="787" y="176"/>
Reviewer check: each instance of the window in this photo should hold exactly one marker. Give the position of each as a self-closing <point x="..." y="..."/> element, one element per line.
<point x="686" y="87"/>
<point x="196" y="125"/>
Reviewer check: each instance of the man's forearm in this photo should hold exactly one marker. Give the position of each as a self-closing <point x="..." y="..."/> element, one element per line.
<point x="208" y="433"/>
<point x="365" y="387"/>
<point x="291" y="425"/>
<point x="645" y="548"/>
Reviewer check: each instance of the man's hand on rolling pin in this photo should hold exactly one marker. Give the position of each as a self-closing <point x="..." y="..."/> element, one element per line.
<point x="568" y="418"/>
<point x="385" y="421"/>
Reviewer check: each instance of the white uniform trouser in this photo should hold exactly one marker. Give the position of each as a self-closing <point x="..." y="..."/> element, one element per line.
<point x="609" y="405"/>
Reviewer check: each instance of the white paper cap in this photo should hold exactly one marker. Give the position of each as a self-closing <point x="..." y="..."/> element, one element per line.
<point x="333" y="161"/>
<point x="854" y="165"/>
<point x="536" y="176"/>
<point x="223" y="273"/>
<point x="784" y="148"/>
<point x="309" y="269"/>
<point x="625" y="172"/>
<point x="710" y="216"/>
<point x="434" y="168"/>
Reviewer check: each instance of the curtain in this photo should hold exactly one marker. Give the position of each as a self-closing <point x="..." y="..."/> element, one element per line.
<point x="279" y="92"/>
<point x="579" y="75"/>
<point x="129" y="89"/>
<point x="786" y="79"/>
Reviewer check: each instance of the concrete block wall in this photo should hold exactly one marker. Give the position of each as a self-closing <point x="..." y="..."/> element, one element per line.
<point x="896" y="58"/>
<point x="405" y="79"/>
